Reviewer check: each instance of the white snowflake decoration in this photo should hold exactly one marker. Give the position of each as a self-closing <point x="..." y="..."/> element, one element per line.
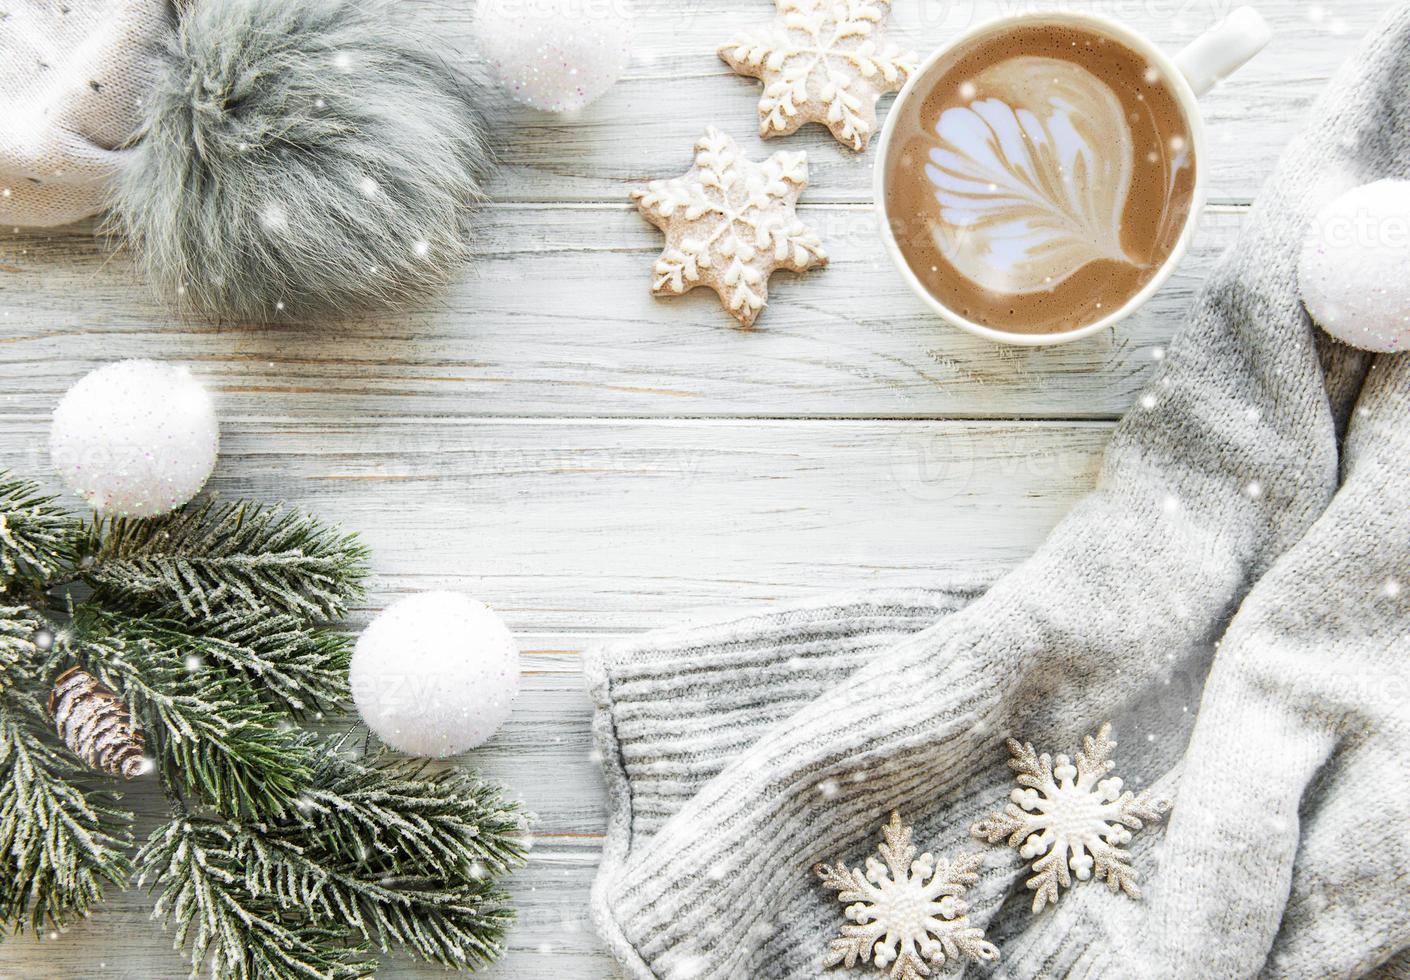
<point x="1070" y="819"/>
<point x="823" y="61"/>
<point x="908" y="915"/>
<point x="729" y="223"/>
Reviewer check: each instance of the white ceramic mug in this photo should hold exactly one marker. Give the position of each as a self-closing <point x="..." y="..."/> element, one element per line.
<point x="1191" y="73"/>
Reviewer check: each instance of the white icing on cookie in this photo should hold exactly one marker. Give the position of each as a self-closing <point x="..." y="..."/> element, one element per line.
<point x="1032" y="179"/>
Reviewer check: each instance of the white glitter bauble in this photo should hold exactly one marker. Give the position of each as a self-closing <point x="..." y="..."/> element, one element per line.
<point x="435" y="674"/>
<point x="556" y="56"/>
<point x="136" y="438"/>
<point x="1355" y="267"/>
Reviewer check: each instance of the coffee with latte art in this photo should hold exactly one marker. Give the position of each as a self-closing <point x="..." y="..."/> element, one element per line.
<point x="1043" y="180"/>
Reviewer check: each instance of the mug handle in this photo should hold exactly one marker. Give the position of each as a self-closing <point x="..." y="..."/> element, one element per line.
<point x="1223" y="50"/>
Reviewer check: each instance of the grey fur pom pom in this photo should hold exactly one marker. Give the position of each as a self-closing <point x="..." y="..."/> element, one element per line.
<point x="308" y="157"/>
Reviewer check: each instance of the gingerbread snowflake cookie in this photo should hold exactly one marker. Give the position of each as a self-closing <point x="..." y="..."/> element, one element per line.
<point x="729" y="223"/>
<point x="825" y="61"/>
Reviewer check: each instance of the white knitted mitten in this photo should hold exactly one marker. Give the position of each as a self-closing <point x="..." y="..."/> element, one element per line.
<point x="72" y="79"/>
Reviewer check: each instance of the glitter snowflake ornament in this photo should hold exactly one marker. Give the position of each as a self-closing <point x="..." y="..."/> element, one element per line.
<point x="824" y="61"/>
<point x="729" y="223"/>
<point x="1070" y="819"/>
<point x="907" y="915"/>
<point x="435" y="674"/>
<point x="556" y="57"/>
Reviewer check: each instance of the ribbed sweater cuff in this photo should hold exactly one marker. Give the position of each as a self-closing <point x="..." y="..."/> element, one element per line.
<point x="673" y="707"/>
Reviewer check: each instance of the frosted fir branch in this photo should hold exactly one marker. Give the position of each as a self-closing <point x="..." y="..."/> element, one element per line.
<point x="37" y="538"/>
<point x="208" y="558"/>
<point x="227" y="931"/>
<point x="393" y="813"/>
<point x="210" y="626"/>
<point x="60" y="844"/>
<point x="458" y="924"/>
<point x="293" y="666"/>
<point x="300" y="667"/>
<point x="210" y="732"/>
<point x="20" y="656"/>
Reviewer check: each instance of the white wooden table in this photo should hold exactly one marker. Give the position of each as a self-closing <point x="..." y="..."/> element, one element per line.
<point x="592" y="461"/>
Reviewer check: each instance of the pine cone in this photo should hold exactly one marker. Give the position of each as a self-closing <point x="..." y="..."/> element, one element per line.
<point x="96" y="725"/>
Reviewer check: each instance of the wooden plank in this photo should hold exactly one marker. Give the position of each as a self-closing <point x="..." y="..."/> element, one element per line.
<point x="676" y="86"/>
<point x="555" y="319"/>
<point x="572" y="526"/>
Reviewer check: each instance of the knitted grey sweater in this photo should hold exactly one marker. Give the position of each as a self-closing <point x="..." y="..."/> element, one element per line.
<point x="739" y="756"/>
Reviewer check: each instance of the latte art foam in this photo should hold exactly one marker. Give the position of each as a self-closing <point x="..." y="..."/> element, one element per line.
<point x="1032" y="181"/>
<point x="1043" y="181"/>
